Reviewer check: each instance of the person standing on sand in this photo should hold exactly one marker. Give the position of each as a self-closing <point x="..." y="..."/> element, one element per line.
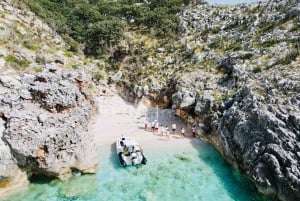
<point x="182" y="132"/>
<point x="167" y="132"/>
<point x="156" y="126"/>
<point x="194" y="131"/>
<point x="146" y="125"/>
<point x="161" y="130"/>
<point x="174" y="128"/>
<point x="153" y="126"/>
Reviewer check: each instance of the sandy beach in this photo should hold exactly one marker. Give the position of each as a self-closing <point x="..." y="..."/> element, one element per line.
<point x="117" y="117"/>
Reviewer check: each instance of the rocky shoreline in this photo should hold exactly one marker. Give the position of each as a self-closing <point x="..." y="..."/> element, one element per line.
<point x="234" y="74"/>
<point x="238" y="81"/>
<point x="45" y="120"/>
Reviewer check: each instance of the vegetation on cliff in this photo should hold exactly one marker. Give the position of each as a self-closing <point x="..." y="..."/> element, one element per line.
<point x="233" y="71"/>
<point x="100" y="24"/>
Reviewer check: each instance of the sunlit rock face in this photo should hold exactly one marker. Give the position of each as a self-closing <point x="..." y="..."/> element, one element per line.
<point x="247" y="102"/>
<point x="46" y="117"/>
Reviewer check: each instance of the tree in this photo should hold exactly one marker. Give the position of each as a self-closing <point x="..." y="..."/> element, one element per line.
<point x="103" y="35"/>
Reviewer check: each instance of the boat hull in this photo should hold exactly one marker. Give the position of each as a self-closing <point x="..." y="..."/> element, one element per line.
<point x="129" y="152"/>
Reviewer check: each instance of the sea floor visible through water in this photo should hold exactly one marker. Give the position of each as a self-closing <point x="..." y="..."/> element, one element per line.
<point x="194" y="173"/>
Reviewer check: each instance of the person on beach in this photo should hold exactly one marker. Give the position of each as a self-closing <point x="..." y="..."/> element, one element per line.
<point x="174" y="128"/>
<point x="146" y="125"/>
<point x="194" y="131"/>
<point x="167" y="133"/>
<point x="182" y="132"/>
<point x="126" y="150"/>
<point x="153" y="126"/>
<point x="156" y="127"/>
<point x="161" y="130"/>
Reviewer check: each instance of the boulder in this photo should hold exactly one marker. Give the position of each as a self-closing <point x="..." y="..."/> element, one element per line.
<point x="10" y="81"/>
<point x="11" y="176"/>
<point x="117" y="77"/>
<point x="46" y="129"/>
<point x="184" y="99"/>
<point x="204" y="104"/>
<point x="2" y="62"/>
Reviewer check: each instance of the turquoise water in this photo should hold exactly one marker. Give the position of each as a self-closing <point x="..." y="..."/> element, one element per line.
<point x="197" y="173"/>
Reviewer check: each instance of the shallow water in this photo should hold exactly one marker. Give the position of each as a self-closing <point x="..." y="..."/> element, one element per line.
<point x="196" y="173"/>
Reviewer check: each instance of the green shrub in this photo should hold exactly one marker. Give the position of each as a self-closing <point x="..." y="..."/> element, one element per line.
<point x="256" y="69"/>
<point x="246" y="56"/>
<point x="269" y="43"/>
<point x="16" y="63"/>
<point x="103" y="35"/>
<point x="234" y="47"/>
<point x="29" y="45"/>
<point x="99" y="24"/>
<point x="38" y="70"/>
<point x="75" y="66"/>
<point x="40" y="59"/>
<point x="289" y="57"/>
<point x="98" y="75"/>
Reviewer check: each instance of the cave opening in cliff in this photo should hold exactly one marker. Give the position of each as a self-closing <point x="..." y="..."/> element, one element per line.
<point x="38" y="178"/>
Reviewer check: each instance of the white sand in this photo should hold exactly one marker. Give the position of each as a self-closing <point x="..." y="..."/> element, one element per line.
<point x="117" y="117"/>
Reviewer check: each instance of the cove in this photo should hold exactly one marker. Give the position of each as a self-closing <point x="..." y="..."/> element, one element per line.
<point x="194" y="173"/>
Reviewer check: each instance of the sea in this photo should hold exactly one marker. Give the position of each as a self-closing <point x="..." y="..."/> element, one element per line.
<point x="194" y="173"/>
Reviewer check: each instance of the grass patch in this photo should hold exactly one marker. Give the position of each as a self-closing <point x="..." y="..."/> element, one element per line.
<point x="234" y="47"/>
<point x="29" y="45"/>
<point x="289" y="57"/>
<point x="16" y="63"/>
<point x="269" y="43"/>
<point x="38" y="70"/>
<point x="256" y="69"/>
<point x="75" y="66"/>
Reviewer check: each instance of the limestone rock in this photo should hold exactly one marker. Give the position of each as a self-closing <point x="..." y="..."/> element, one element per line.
<point x="11" y="176"/>
<point x="10" y="82"/>
<point x="204" y="104"/>
<point x="184" y="99"/>
<point x="46" y="130"/>
<point x="2" y="62"/>
<point x="116" y="77"/>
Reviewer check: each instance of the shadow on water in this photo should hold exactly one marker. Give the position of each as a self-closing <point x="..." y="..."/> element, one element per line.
<point x="41" y="179"/>
<point x="233" y="182"/>
<point x="113" y="156"/>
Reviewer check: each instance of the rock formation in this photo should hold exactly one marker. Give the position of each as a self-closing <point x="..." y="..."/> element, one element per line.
<point x="44" y="111"/>
<point x="249" y="111"/>
<point x="46" y="117"/>
<point x="235" y="74"/>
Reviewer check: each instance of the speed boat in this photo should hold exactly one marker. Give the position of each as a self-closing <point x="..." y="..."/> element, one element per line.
<point x="129" y="152"/>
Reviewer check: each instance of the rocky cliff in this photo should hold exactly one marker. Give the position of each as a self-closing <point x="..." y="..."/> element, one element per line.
<point x="46" y="102"/>
<point x="251" y="112"/>
<point x="235" y="73"/>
